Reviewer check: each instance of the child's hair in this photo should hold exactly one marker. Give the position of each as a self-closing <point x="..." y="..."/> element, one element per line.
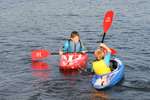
<point x="74" y="34"/>
<point x="99" y="54"/>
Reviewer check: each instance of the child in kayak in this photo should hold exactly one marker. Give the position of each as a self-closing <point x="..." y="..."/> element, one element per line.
<point x="101" y="64"/>
<point x="73" y="44"/>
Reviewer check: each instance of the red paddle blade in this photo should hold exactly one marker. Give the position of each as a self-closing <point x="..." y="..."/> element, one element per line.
<point x="113" y="51"/>
<point x="39" y="54"/>
<point x="108" y="20"/>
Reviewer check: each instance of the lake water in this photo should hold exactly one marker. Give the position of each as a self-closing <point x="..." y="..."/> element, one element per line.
<point x="27" y="25"/>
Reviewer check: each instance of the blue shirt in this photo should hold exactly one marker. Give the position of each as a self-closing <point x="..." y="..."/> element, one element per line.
<point x="70" y="46"/>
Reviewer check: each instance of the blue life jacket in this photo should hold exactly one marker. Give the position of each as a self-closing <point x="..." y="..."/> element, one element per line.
<point x="70" y="46"/>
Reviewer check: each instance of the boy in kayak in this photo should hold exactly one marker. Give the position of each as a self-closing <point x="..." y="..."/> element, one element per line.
<point x="101" y="64"/>
<point x="73" y="44"/>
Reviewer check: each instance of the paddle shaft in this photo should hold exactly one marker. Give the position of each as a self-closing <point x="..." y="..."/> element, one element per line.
<point x="103" y="37"/>
<point x="56" y="53"/>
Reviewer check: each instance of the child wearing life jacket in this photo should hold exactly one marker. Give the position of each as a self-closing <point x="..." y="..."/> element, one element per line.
<point x="101" y="64"/>
<point x="73" y="44"/>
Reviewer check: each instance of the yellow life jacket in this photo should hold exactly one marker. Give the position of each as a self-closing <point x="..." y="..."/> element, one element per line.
<point x="100" y="67"/>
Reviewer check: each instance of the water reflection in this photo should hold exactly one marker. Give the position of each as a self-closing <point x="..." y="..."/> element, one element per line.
<point x="70" y="76"/>
<point x="43" y="75"/>
<point x="37" y="65"/>
<point x="40" y="70"/>
<point x="69" y="72"/>
<point x="99" y="95"/>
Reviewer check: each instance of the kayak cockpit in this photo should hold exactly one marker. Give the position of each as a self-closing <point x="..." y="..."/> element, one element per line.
<point x="113" y="65"/>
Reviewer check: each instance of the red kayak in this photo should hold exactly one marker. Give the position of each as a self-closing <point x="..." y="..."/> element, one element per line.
<point x="73" y="61"/>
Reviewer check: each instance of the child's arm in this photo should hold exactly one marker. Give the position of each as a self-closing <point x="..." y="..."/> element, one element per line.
<point x="107" y="58"/>
<point x="108" y="54"/>
<point x="65" y="47"/>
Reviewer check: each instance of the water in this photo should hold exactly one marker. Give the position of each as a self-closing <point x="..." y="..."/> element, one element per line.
<point x="26" y="25"/>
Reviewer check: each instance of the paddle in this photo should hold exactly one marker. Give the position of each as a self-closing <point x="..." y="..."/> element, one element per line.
<point x="107" y="22"/>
